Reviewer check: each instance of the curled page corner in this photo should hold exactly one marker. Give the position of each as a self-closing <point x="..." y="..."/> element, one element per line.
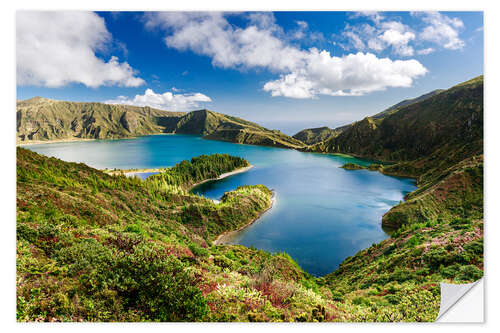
<point x="452" y="295"/>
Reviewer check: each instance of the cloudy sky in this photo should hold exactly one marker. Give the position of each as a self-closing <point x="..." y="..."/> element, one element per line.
<point x="285" y="70"/>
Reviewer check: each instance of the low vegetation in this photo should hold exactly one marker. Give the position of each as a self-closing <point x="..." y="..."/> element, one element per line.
<point x="98" y="247"/>
<point x="187" y="173"/>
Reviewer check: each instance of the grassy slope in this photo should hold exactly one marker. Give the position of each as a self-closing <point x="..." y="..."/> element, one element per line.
<point x="40" y="119"/>
<point x="312" y="136"/>
<point x="217" y="126"/>
<point x="454" y="117"/>
<point x="95" y="247"/>
<point x="43" y="119"/>
<point x="404" y="103"/>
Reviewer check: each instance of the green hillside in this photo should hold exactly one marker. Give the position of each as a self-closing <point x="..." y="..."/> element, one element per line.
<point x="404" y="103"/>
<point x="438" y="141"/>
<point x="40" y="119"/>
<point x="218" y="126"/>
<point x="311" y="136"/>
<point x="453" y="117"/>
<point x="95" y="247"/>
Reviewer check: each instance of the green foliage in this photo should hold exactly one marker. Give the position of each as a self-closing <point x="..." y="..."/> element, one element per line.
<point x="187" y="173"/>
<point x="158" y="285"/>
<point x="96" y="247"/>
<point x="315" y="135"/>
<point x="121" y="253"/>
<point x="469" y="273"/>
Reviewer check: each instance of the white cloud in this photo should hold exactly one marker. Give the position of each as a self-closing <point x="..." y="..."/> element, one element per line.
<point x="399" y="41"/>
<point x="353" y="75"/>
<point x="426" y="51"/>
<point x="355" y="39"/>
<point x="54" y="49"/>
<point x="372" y="15"/>
<point x="442" y="30"/>
<point x="166" y="101"/>
<point x="302" y="73"/>
<point x="383" y="35"/>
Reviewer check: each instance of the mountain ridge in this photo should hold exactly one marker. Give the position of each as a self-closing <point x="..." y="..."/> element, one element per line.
<point x="315" y="135"/>
<point x="451" y="115"/>
<point x="44" y="120"/>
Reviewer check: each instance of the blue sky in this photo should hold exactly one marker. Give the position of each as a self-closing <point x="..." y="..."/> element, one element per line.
<point x="284" y="70"/>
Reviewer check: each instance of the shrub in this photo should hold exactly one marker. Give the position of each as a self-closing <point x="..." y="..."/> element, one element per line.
<point x="26" y="232"/>
<point x="469" y="273"/>
<point x="136" y="229"/>
<point x="361" y="301"/>
<point x="437" y="256"/>
<point x="450" y="271"/>
<point x="157" y="284"/>
<point x="223" y="261"/>
<point x="86" y="256"/>
<point x="198" y="250"/>
<point x="393" y="299"/>
<point x="414" y="241"/>
<point x="337" y="296"/>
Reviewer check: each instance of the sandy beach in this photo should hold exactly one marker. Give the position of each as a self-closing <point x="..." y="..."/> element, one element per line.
<point x="38" y="142"/>
<point x="224" y="175"/>
<point x="226" y="237"/>
<point x="130" y="172"/>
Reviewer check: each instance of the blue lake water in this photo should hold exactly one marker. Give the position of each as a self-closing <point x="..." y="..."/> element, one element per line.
<point x="322" y="213"/>
<point x="141" y="175"/>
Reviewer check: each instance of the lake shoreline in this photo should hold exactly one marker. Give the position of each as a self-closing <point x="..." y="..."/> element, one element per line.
<point x="41" y="142"/>
<point x="222" y="176"/>
<point x="231" y="236"/>
<point x="130" y="172"/>
<point x="225" y="237"/>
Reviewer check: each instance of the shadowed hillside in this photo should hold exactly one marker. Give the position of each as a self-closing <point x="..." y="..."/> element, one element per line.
<point x="312" y="136"/>
<point x="438" y="141"/>
<point x="218" y="126"/>
<point x="453" y="117"/>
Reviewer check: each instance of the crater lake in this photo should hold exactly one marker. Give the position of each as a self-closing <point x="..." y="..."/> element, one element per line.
<point x="322" y="213"/>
